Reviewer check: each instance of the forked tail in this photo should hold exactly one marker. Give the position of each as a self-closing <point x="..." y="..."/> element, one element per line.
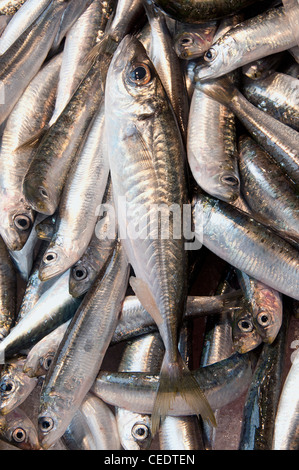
<point x="176" y="379"/>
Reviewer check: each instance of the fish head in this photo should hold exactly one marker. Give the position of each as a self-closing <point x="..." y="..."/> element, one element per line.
<point x="15" y="386"/>
<point x="267" y="313"/>
<point x="38" y="364"/>
<point x="16" y="224"/>
<point x="218" y="59"/>
<point x="82" y="275"/>
<point x="39" y="194"/>
<point x="45" y="229"/>
<point x="55" y="415"/>
<point x="245" y="336"/>
<point x="194" y="43"/>
<point x="134" y="430"/>
<point x="20" y="431"/>
<point x="133" y="81"/>
<point x="55" y="261"/>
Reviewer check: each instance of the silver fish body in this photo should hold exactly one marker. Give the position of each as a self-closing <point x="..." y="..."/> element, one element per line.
<point x="8" y="291"/>
<point x="19" y="431"/>
<point x="82" y="350"/>
<point x="10" y="7"/>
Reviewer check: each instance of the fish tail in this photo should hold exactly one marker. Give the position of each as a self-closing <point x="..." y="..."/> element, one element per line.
<point x="176" y="378"/>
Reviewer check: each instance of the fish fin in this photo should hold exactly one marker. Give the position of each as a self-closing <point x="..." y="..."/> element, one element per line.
<point x="146" y="298"/>
<point x="221" y="89"/>
<point x="176" y="378"/>
<point x="33" y="141"/>
<point x="106" y="45"/>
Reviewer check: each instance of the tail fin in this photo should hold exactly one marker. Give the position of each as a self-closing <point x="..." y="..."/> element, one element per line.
<point x="177" y="379"/>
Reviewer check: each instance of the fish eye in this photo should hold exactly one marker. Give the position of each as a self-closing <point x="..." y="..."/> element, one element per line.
<point x="22" y="222"/>
<point x="231" y="180"/>
<point x="47" y="361"/>
<point x="210" y="55"/>
<point x="43" y="192"/>
<point x="7" y="387"/>
<point x="19" y="435"/>
<point x="140" y="74"/>
<point x="263" y="319"/>
<point x="245" y="326"/>
<point x="79" y="273"/>
<point x="50" y="257"/>
<point x="45" y="424"/>
<point x="140" y="431"/>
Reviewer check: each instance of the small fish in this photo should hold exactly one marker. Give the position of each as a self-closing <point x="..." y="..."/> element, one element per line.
<point x="46" y="228"/>
<point x="8" y="291"/>
<point x="19" y="431"/>
<point x="266" y="34"/>
<point x="192" y="41"/>
<point x="261" y="68"/>
<point x="10" y="7"/>
<point x="15" y="386"/>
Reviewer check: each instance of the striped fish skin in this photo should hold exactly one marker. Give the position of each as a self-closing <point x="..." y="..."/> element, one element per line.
<point x="30" y="114"/>
<point x="276" y="94"/>
<point x="248" y="245"/>
<point x="82" y="350"/>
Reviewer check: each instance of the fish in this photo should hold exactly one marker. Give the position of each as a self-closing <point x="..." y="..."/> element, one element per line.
<point x="93" y="427"/>
<point x="167" y="65"/>
<point x="82" y="194"/>
<point x="247" y="245"/>
<point x="15" y="386"/>
<point x="24" y="58"/>
<point x="262" y="397"/>
<point x="19" y="431"/>
<point x="143" y="354"/>
<point x="80" y="39"/>
<point x="277" y="94"/>
<point x="46" y="228"/>
<point x="99" y="250"/>
<point x="146" y="157"/>
<point x="40" y="356"/>
<point x="81" y="352"/>
<point x="8" y="292"/>
<point x="261" y="68"/>
<point x="212" y="147"/>
<point x="221" y="383"/>
<point x="198" y="11"/>
<point x="270" y="195"/>
<point x="54" y="307"/>
<point x="30" y="114"/>
<point x="192" y="41"/>
<point x="265" y="34"/>
<point x="22" y="20"/>
<point x="276" y="138"/>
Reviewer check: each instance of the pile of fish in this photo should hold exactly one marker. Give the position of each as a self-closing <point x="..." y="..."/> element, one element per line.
<point x="143" y="141"/>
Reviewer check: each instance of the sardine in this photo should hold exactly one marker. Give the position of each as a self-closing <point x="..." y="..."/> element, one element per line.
<point x="82" y="194"/>
<point x="19" y="431"/>
<point x="270" y="195"/>
<point x="167" y="65"/>
<point x="40" y="356"/>
<point x="31" y="113"/>
<point x="46" y="228"/>
<point x="99" y="250"/>
<point x="222" y="383"/>
<point x="24" y="58"/>
<point x="212" y="147"/>
<point x="266" y="34"/>
<point x="278" y="139"/>
<point x="82" y="350"/>
<point x="15" y="386"/>
<point x="261" y="68"/>
<point x="144" y="354"/>
<point x="146" y="157"/>
<point x="247" y="245"/>
<point x="22" y="20"/>
<point x="10" y="7"/>
<point x="54" y="307"/>
<point x="8" y="291"/>
<point x="263" y="394"/>
<point x="277" y="95"/>
<point x="192" y="41"/>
